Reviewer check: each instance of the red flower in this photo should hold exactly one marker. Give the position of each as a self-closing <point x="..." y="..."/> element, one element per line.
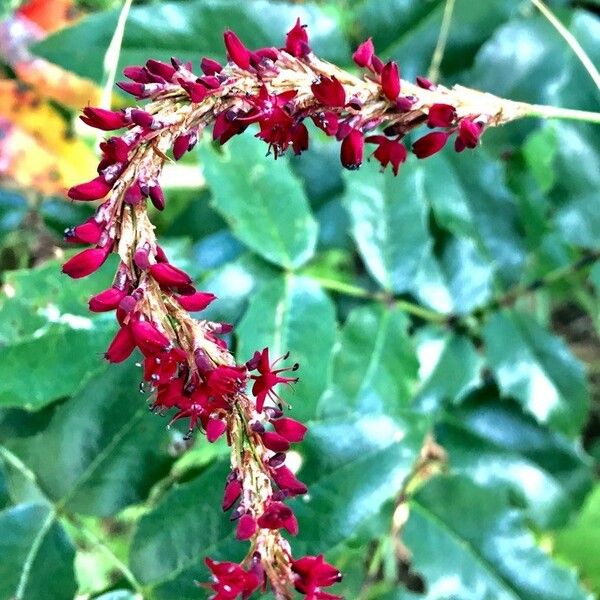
<point x="274" y="441"/>
<point x="329" y="92"/>
<point x="236" y="51"/>
<point x="168" y="275"/>
<point x="363" y="56"/>
<point x="92" y="190"/>
<point x="210" y="66"/>
<point x="231" y="581"/>
<point x="226" y="380"/>
<point x="246" y="527"/>
<point x="121" y="347"/>
<point x="390" y="81"/>
<point x="430" y="144"/>
<point x="290" y="429"/>
<point x="215" y="428"/>
<point x="149" y="339"/>
<point x="311" y="573"/>
<point x="106" y="120"/>
<point x="85" y="263"/>
<point x="441" y="115"/>
<point x="156" y="196"/>
<point x="388" y="151"/>
<point x="424" y="83"/>
<point x="468" y="136"/>
<point x="107" y="300"/>
<point x="269" y="377"/>
<point x="276" y="516"/>
<point x="352" y="149"/>
<point x="287" y="481"/>
<point x="86" y="233"/>
<point x="296" y="40"/>
<point x="197" y="301"/>
<point x="161" y="69"/>
<point x="233" y="489"/>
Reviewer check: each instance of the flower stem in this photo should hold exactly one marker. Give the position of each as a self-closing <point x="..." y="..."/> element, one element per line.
<point x="438" y="54"/>
<point x="556" y="112"/>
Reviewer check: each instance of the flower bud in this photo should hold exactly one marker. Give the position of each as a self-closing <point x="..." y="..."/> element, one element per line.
<point x="85" y="263"/>
<point x="352" y="150"/>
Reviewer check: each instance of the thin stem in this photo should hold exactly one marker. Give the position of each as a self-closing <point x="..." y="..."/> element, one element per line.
<point x="571" y="40"/>
<point x="358" y="292"/>
<point x="99" y="542"/>
<point x="438" y="54"/>
<point x="556" y="112"/>
<point x="111" y="58"/>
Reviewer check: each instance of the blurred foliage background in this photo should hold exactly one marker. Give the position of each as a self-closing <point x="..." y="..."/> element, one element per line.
<point x="446" y="320"/>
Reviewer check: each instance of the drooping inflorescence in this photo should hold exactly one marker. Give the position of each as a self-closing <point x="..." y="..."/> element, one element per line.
<point x="187" y="366"/>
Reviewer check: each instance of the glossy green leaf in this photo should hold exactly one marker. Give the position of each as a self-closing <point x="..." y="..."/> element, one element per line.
<point x="106" y="449"/>
<point x="449" y="368"/>
<point x="374" y="367"/>
<point x="36" y="556"/>
<point x="292" y="314"/>
<point x="389" y="223"/>
<point x="352" y="466"/>
<point x="496" y="445"/>
<point x="536" y="367"/>
<point x="458" y="528"/>
<point x="262" y="201"/>
<point x="167" y="560"/>
<point x="189" y="30"/>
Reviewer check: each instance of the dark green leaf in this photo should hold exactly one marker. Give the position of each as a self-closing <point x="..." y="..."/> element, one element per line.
<point x="374" y="368"/>
<point x="292" y="314"/>
<point x="262" y="201"/>
<point x="189" y="30"/>
<point x="36" y="556"/>
<point x="536" y="368"/>
<point x="469" y="544"/>
<point x="106" y="449"/>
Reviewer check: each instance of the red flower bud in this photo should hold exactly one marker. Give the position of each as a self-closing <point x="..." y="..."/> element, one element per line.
<point x="236" y="51"/>
<point x="363" y="56"/>
<point x="196" y="91"/>
<point x="137" y="74"/>
<point x="86" y="233"/>
<point x="156" y="196"/>
<point x="210" y="66"/>
<point x="148" y="338"/>
<point x="85" y="263"/>
<point x="329" y="92"/>
<point x="160" y="68"/>
<point x="352" y="150"/>
<point x="197" y="301"/>
<point x="441" y="115"/>
<point x="134" y="194"/>
<point x="290" y="429"/>
<point x="168" y="275"/>
<point x="233" y="489"/>
<point x="469" y="133"/>
<point x="106" y="120"/>
<point x="215" y="428"/>
<point x="390" y="81"/>
<point x="296" y="40"/>
<point x="142" y="118"/>
<point x="121" y="347"/>
<point x="287" y="481"/>
<point x="246" y="527"/>
<point x="424" y="83"/>
<point x="274" y="441"/>
<point x="430" y="144"/>
<point x="278" y="515"/>
<point x="107" y="300"/>
<point x="182" y="145"/>
<point x="92" y="190"/>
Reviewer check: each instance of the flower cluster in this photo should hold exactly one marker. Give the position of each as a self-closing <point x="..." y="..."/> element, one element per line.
<point x="187" y="367"/>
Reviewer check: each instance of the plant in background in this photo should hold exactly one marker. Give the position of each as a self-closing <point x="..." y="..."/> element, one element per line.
<point x="187" y="368"/>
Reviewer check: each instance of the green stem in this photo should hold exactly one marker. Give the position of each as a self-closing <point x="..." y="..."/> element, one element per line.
<point x="358" y="292"/>
<point x="556" y="112"/>
<point x="438" y="54"/>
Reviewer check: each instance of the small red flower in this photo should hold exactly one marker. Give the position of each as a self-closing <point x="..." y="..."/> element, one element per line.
<point x="121" y="347"/>
<point x="390" y="81"/>
<point x="161" y="69"/>
<point x="269" y="377"/>
<point x="389" y="152"/>
<point x="246" y="527"/>
<point x="92" y="190"/>
<point x="287" y="482"/>
<point x="226" y="380"/>
<point x="85" y="263"/>
<point x="430" y="144"/>
<point x="351" y="152"/>
<point x="277" y="515"/>
<point x="231" y="580"/>
<point x="329" y="92"/>
<point x="441" y="115"/>
<point x="215" y="428"/>
<point x="156" y="196"/>
<point x="290" y="429"/>
<point x="236" y="51"/>
<point x="86" y="233"/>
<point x="148" y="338"/>
<point x="106" y="120"/>
<point x="233" y="489"/>
<point x="168" y="275"/>
<point x="363" y="56"/>
<point x="107" y="300"/>
<point x="274" y="441"/>
<point x="197" y="301"/>
<point x="468" y="136"/>
<point x="210" y="66"/>
<point x="296" y="40"/>
<point x="311" y="574"/>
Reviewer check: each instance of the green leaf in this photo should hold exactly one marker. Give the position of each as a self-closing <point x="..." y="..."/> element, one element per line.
<point x="537" y="368"/>
<point x="292" y="314"/>
<point x="36" y="556"/>
<point x="352" y="467"/>
<point x="449" y="368"/>
<point x="576" y="541"/>
<point x="469" y="544"/>
<point x="374" y="368"/>
<point x="189" y="30"/>
<point x="106" y="450"/>
<point x="388" y="216"/>
<point x="495" y="444"/>
<point x="262" y="201"/>
<point x="167" y="560"/>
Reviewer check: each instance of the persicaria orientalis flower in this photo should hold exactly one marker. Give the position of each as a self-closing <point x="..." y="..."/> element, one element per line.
<point x="188" y="369"/>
